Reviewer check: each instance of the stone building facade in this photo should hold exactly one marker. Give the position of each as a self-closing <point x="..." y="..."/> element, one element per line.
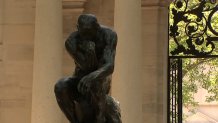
<point x="33" y="58"/>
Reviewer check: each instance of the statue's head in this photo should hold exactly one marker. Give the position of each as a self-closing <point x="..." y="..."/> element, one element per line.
<point x="87" y="26"/>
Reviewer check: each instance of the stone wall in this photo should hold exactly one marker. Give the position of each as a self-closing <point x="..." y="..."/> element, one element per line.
<point x="16" y="59"/>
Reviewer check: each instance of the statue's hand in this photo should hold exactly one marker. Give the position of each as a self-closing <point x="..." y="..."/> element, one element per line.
<point x="85" y="84"/>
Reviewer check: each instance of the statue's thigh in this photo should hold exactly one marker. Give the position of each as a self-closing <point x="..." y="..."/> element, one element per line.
<point x="67" y="87"/>
<point x="72" y="88"/>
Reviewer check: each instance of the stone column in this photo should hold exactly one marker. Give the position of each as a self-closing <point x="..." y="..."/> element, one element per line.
<point x="127" y="79"/>
<point x="47" y="61"/>
<point x="1" y="39"/>
<point x="155" y="43"/>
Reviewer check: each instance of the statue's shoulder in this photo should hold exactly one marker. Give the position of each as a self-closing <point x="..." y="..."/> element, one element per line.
<point x="108" y="30"/>
<point x="71" y="41"/>
<point x="73" y="36"/>
<point x="109" y="33"/>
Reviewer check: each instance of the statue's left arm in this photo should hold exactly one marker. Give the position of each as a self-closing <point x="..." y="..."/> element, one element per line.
<point x="104" y="70"/>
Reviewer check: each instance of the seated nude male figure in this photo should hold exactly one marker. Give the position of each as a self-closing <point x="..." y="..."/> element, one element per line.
<point x="84" y="98"/>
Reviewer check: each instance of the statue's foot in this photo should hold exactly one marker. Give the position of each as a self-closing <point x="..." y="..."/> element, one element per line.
<point x="113" y="114"/>
<point x="84" y="112"/>
<point x="100" y="118"/>
<point x="78" y="112"/>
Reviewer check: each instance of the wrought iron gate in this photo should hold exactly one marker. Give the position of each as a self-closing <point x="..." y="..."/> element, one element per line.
<point x="192" y="34"/>
<point x="175" y="90"/>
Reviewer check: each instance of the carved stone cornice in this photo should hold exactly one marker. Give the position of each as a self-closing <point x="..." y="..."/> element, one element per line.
<point x="160" y="3"/>
<point x="73" y="4"/>
<point x="165" y="3"/>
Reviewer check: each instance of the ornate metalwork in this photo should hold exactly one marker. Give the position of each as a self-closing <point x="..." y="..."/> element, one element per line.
<point x="192" y="30"/>
<point x="175" y="91"/>
<point x="192" y="33"/>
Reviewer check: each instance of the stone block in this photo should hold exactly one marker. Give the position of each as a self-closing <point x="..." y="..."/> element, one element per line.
<point x="1" y="52"/>
<point x="19" y="34"/>
<point x="15" y="108"/>
<point x="1" y="11"/>
<point x="19" y="11"/>
<point x="19" y="53"/>
<point x="9" y="90"/>
<point x="1" y="73"/>
<point x="150" y="3"/>
<point x="150" y="15"/>
<point x="1" y="34"/>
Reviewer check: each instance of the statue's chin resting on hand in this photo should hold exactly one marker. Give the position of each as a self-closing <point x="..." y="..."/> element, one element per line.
<point x="83" y="97"/>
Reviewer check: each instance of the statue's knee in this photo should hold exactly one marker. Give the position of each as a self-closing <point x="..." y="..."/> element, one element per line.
<point x="61" y="85"/>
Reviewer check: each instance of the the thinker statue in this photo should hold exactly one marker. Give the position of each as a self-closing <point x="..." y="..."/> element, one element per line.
<point x="84" y="98"/>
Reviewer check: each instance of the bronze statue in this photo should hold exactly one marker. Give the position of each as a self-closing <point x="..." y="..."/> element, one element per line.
<point x="84" y="98"/>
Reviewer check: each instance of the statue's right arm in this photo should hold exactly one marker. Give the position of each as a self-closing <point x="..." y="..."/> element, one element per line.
<point x="72" y="49"/>
<point x="70" y="44"/>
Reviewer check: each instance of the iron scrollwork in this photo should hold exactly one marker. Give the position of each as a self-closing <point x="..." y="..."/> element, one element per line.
<point x="199" y="32"/>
